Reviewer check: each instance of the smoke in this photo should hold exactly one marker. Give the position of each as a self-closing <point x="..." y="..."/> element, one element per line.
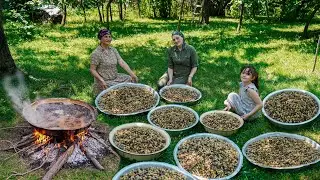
<point x="17" y="90"/>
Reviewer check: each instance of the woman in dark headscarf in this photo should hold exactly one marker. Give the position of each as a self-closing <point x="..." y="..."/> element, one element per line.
<point x="103" y="67"/>
<point x="182" y="62"/>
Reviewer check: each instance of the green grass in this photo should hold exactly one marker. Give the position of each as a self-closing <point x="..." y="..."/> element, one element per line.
<point x="59" y="59"/>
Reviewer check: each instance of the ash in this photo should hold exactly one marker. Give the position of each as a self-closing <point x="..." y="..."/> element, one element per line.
<point x="94" y="146"/>
<point x="77" y="158"/>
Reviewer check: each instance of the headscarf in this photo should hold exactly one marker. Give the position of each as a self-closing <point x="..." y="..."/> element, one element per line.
<point x="178" y="33"/>
<point x="103" y="32"/>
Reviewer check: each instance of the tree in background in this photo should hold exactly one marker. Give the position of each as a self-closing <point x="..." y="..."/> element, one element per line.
<point x="270" y="10"/>
<point x="7" y="65"/>
<point x="205" y="12"/>
<point x="107" y="8"/>
<point x="241" y="9"/>
<point x="180" y="16"/>
<point x="120" y="5"/>
<point x="305" y="30"/>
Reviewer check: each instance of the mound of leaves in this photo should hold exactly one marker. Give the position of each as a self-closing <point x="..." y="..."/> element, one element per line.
<point x="153" y="173"/>
<point x="175" y="94"/>
<point x="282" y="152"/>
<point x="140" y="140"/>
<point x="173" y="118"/>
<point x="291" y="107"/>
<point x="208" y="157"/>
<point x="127" y="100"/>
<point x="221" y="121"/>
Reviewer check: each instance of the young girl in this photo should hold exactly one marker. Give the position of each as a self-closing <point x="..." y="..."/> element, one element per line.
<point x="247" y="103"/>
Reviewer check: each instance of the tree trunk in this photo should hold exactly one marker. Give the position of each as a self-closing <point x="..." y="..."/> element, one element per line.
<point x="84" y="11"/>
<point x="283" y="7"/>
<point x="180" y="16"/>
<point x="64" y="16"/>
<point x="305" y="31"/>
<point x="120" y="10"/>
<point x="7" y="65"/>
<point x="102" y="9"/>
<point x="139" y="8"/>
<point x="100" y="16"/>
<point x="153" y="5"/>
<point x="206" y="11"/>
<point x="316" y="55"/>
<point x="154" y="12"/>
<point x="110" y="9"/>
<point x="125" y="10"/>
<point x="241" y="16"/>
<point x="267" y="8"/>
<point x="254" y="9"/>
<point x="202" y="12"/>
<point x="108" y="6"/>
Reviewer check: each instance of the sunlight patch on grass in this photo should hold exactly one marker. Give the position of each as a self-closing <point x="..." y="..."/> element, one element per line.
<point x="155" y="39"/>
<point x="206" y="105"/>
<point x="289" y="28"/>
<point x="58" y="34"/>
<point x="313" y="135"/>
<point x="82" y="93"/>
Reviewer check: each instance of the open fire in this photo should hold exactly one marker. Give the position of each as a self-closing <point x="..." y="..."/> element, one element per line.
<point x="67" y="149"/>
<point x="41" y="138"/>
<point x="63" y="138"/>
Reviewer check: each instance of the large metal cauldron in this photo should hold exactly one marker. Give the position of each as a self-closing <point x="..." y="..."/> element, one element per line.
<point x="54" y="115"/>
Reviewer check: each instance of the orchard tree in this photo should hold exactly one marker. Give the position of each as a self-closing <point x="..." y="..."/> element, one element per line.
<point x="7" y="65"/>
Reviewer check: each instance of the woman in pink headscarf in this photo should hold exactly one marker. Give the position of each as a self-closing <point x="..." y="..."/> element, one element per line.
<point x="103" y="67"/>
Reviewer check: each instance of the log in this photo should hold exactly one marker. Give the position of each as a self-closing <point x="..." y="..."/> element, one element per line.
<point x="14" y="127"/>
<point x="316" y="55"/>
<point x="21" y="150"/>
<point x="21" y="143"/>
<point x="54" y="169"/>
<point x="34" y="149"/>
<point x="95" y="136"/>
<point x="25" y="138"/>
<point x="96" y="131"/>
<point x="93" y="159"/>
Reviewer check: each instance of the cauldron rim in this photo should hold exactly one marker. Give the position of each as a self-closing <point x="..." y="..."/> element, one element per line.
<point x="88" y="122"/>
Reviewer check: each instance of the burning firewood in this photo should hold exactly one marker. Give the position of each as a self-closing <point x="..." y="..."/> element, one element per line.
<point x="42" y="148"/>
<point x="55" y="168"/>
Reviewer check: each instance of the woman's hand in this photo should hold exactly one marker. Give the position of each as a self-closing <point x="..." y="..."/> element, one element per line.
<point x="103" y="84"/>
<point x="245" y="116"/>
<point x="189" y="82"/>
<point x="228" y="106"/>
<point x="134" y="78"/>
<point x="169" y="82"/>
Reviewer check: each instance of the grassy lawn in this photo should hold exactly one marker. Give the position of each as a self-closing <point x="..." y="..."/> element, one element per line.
<point x="58" y="59"/>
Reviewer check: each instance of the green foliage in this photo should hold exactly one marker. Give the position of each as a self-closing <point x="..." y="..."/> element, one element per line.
<point x="235" y="8"/>
<point x="280" y="10"/>
<point x="19" y="25"/>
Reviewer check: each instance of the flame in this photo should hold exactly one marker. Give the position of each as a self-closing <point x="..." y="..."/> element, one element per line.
<point x="81" y="135"/>
<point x="41" y="138"/>
<point x="71" y="136"/>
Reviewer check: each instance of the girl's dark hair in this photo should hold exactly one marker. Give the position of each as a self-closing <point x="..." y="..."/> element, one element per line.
<point x="253" y="72"/>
